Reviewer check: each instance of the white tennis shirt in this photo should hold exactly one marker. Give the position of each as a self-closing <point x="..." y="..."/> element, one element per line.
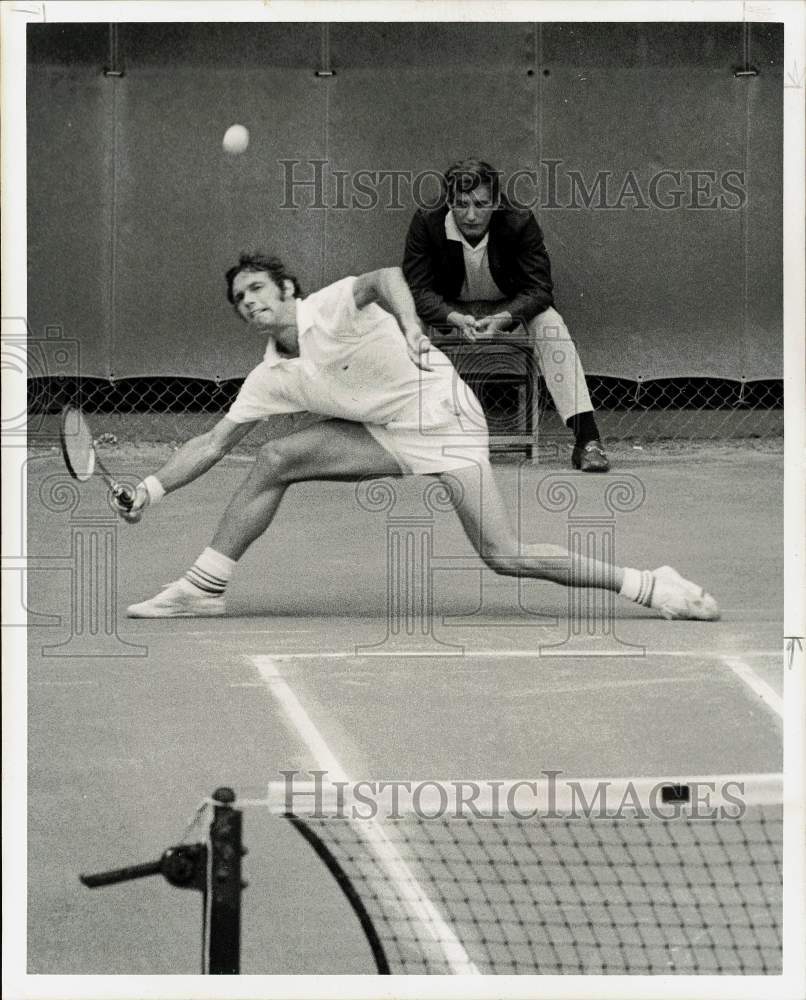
<point x="352" y="364"/>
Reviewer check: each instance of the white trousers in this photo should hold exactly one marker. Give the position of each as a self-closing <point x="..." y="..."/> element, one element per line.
<point x="555" y="353"/>
<point x="560" y="364"/>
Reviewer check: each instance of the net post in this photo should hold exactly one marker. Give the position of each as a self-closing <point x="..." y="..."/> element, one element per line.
<point x="223" y="940"/>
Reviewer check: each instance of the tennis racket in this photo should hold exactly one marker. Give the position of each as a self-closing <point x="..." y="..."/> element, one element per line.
<point x="81" y="458"/>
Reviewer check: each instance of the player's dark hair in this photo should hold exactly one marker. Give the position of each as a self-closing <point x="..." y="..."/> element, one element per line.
<point x="468" y="175"/>
<point x="259" y="262"/>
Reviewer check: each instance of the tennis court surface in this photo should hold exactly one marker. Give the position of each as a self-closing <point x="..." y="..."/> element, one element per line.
<point x="367" y="642"/>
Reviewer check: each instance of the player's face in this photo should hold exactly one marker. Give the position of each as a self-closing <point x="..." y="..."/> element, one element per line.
<point x="473" y="211"/>
<point x="259" y="300"/>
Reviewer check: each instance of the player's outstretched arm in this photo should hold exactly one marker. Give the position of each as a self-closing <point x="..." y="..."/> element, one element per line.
<point x="388" y="288"/>
<point x="192" y="460"/>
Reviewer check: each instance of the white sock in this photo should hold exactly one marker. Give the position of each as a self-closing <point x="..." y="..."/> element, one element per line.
<point x="638" y="586"/>
<point x="211" y="572"/>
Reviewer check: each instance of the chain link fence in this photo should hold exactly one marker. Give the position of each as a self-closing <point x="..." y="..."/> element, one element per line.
<point x="503" y="374"/>
<point x="681" y="410"/>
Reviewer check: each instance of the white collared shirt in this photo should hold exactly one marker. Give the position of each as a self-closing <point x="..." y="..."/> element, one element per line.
<point x="478" y="285"/>
<point x="353" y="363"/>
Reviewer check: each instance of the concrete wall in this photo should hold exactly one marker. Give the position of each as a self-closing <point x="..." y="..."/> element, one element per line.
<point x="135" y="212"/>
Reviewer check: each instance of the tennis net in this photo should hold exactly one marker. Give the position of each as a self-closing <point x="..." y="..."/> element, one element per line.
<point x="599" y="878"/>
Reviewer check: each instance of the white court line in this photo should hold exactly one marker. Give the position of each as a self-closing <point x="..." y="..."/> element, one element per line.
<point x="216" y="634"/>
<point x="756" y="684"/>
<point x="212" y="633"/>
<point x="605" y="685"/>
<point x="685" y="680"/>
<point x="397" y="871"/>
<point x="62" y="683"/>
<point x="522" y="654"/>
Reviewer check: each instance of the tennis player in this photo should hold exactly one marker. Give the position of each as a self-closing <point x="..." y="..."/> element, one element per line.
<point x="354" y="353"/>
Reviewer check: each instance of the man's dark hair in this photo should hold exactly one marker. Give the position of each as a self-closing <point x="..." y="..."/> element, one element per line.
<point x="258" y="262"/>
<point x="467" y="175"/>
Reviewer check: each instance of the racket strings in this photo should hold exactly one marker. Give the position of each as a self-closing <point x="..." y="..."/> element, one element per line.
<point x="78" y="445"/>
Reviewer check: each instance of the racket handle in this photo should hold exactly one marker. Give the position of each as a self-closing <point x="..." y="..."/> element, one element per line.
<point x="124" y="496"/>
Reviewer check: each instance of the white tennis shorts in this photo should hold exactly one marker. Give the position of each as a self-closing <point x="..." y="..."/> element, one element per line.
<point x="439" y="437"/>
<point x="442" y="429"/>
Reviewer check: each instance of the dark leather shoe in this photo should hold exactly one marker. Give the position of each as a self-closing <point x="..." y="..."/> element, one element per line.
<point x="590" y="457"/>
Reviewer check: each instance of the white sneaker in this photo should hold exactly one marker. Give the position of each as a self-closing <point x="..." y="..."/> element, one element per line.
<point x="179" y="599"/>
<point x="677" y="598"/>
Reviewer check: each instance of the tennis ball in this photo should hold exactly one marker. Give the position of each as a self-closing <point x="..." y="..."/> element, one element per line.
<point x="236" y="139"/>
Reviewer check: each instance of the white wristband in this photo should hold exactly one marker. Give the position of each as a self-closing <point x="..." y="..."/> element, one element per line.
<point x="154" y="488"/>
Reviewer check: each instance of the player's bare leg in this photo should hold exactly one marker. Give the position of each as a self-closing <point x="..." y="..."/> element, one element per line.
<point x="333" y="450"/>
<point x="340" y="450"/>
<point x="480" y="507"/>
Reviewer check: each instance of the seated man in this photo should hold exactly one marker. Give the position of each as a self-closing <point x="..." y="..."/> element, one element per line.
<point x="355" y="352"/>
<point x="478" y="265"/>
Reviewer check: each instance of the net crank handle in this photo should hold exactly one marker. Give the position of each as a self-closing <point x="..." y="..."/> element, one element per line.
<point x="183" y="866"/>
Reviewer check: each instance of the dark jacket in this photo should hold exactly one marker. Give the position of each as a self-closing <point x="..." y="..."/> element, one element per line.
<point x="435" y="269"/>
